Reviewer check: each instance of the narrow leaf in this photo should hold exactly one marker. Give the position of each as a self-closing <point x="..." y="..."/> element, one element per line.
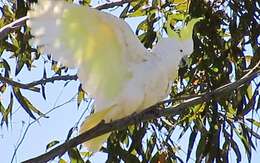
<point x="70" y="132"/>
<point x="81" y="95"/>
<point x="43" y="92"/>
<point x="62" y="161"/>
<point x="235" y="147"/>
<point x="255" y="122"/>
<point x="26" y="104"/>
<point x="22" y="102"/>
<point x="191" y="143"/>
<point x="74" y="156"/>
<point x="51" y="144"/>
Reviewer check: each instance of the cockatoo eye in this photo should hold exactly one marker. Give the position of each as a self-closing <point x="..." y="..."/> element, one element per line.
<point x="181" y="50"/>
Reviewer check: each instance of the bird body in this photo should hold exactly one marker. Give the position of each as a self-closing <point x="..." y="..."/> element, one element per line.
<point x="113" y="66"/>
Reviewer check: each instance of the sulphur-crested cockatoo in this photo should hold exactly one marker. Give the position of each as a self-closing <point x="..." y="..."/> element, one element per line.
<point x="113" y="66"/>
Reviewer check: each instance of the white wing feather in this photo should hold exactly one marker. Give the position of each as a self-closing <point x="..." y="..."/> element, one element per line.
<point x="113" y="65"/>
<point x="98" y="43"/>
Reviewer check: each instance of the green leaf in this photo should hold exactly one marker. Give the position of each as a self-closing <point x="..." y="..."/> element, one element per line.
<point x="9" y="109"/>
<point x="182" y="5"/>
<point x="43" y="91"/>
<point x="75" y="156"/>
<point x="137" y="10"/>
<point x="62" y="161"/>
<point x="3" y="88"/>
<point x="19" y="65"/>
<point x="235" y="147"/>
<point x="81" y="95"/>
<point x="178" y="17"/>
<point x="255" y="122"/>
<point x="191" y="142"/>
<point x="150" y="146"/>
<point x="5" y="65"/>
<point x="44" y="76"/>
<point x="6" y="112"/>
<point x="86" y="154"/>
<point x="2" y="110"/>
<point x="142" y="26"/>
<point x="252" y="132"/>
<point x="56" y="67"/>
<point x="26" y="104"/>
<point x="7" y="12"/>
<point x="125" y="11"/>
<point x="245" y="143"/>
<point x="51" y="144"/>
<point x="155" y="158"/>
<point x="201" y="147"/>
<point x="85" y="2"/>
<point x="70" y="132"/>
<point x="250" y="91"/>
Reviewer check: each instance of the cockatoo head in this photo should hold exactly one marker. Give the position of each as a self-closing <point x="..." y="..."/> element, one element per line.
<point x="171" y="51"/>
<point x="182" y="48"/>
<point x="185" y="47"/>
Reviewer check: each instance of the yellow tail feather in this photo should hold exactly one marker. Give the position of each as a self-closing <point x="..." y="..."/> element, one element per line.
<point x="95" y="144"/>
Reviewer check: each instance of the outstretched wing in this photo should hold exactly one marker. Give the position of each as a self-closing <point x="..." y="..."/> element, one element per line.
<point x="100" y="44"/>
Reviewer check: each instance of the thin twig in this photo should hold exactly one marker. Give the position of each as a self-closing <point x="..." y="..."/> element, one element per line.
<point x="36" y="120"/>
<point x="31" y="85"/>
<point x="12" y="26"/>
<point x="90" y="102"/>
<point x="148" y="114"/>
<point x="52" y="79"/>
<point x="111" y="4"/>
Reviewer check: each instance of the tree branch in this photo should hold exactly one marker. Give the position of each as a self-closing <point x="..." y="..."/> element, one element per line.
<point x="148" y="114"/>
<point x="4" y="31"/>
<point x="31" y="86"/>
<point x="111" y="4"/>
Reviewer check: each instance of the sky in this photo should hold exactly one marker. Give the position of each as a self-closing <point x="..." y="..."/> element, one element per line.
<point x="60" y="120"/>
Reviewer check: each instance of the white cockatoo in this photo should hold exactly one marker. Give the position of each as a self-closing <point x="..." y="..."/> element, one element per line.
<point x="113" y="65"/>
